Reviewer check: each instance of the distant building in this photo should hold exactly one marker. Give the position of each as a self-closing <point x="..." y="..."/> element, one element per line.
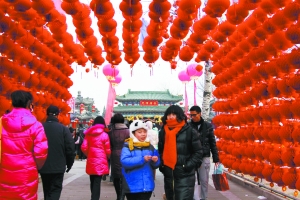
<point x="85" y="111"/>
<point x="145" y="104"/>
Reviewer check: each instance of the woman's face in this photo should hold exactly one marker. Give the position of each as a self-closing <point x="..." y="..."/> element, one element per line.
<point x="141" y="134"/>
<point x="171" y="116"/>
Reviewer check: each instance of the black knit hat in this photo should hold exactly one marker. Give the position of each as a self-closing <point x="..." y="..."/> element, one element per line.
<point x="52" y="110"/>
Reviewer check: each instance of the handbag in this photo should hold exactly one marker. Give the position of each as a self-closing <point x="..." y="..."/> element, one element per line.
<point x="219" y="178"/>
<point x="0" y="137"/>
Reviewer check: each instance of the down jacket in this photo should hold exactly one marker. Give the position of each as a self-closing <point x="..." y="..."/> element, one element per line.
<point x="138" y="174"/>
<point x="189" y="157"/>
<point x="117" y="136"/>
<point x="96" y="147"/>
<point x="24" y="151"/>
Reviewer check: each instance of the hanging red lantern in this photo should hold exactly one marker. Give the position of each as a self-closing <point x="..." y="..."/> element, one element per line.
<point x="81" y="108"/>
<point x="91" y="121"/>
<point x="93" y="108"/>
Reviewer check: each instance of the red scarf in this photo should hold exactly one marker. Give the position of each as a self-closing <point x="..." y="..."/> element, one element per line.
<point x="170" y="149"/>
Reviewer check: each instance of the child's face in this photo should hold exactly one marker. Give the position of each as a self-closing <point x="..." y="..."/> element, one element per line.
<point x="141" y="134"/>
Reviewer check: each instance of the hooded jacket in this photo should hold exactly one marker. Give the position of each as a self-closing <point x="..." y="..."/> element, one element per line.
<point x="96" y="147"/>
<point x="24" y="151"/>
<point x="138" y="174"/>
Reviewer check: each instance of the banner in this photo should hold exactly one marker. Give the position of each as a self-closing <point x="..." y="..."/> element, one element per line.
<point x="71" y="104"/>
<point x="148" y="103"/>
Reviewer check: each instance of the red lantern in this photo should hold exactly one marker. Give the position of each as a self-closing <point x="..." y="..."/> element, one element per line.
<point x="81" y="107"/>
<point x="93" y="108"/>
<point x="76" y="120"/>
<point x="91" y="121"/>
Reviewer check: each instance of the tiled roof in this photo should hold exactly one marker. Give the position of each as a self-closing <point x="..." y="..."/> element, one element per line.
<point x="144" y="109"/>
<point x="149" y="95"/>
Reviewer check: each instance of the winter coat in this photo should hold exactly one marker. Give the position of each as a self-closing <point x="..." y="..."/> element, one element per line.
<point x="118" y="134"/>
<point x="24" y="151"/>
<point x="96" y="147"/>
<point x="137" y="173"/>
<point x="208" y="139"/>
<point x="61" y="145"/>
<point x="189" y="157"/>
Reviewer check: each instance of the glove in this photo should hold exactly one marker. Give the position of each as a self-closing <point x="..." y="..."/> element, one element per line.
<point x="70" y="161"/>
<point x="68" y="169"/>
<point x="161" y="169"/>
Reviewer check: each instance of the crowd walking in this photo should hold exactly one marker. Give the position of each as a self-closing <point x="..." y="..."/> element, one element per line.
<point x="181" y="150"/>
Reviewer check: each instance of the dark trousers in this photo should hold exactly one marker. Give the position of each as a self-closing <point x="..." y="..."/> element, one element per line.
<point x="139" y="196"/>
<point x="80" y="153"/>
<point x="52" y="185"/>
<point x="118" y="188"/>
<point x="95" y="186"/>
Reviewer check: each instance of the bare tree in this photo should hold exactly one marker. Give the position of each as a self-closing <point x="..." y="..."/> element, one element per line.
<point x="207" y="91"/>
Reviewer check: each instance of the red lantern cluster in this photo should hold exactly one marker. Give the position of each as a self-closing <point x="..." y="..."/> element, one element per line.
<point x="32" y="57"/>
<point x="257" y="86"/>
<point x="104" y="11"/>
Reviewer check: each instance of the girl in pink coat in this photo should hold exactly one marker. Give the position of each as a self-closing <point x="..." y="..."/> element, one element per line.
<point x="96" y="147"/>
<point x="24" y="150"/>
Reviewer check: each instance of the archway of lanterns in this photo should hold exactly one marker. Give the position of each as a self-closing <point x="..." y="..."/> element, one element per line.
<point x="253" y="50"/>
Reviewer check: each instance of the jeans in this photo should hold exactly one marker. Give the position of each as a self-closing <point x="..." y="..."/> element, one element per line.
<point x="200" y="191"/>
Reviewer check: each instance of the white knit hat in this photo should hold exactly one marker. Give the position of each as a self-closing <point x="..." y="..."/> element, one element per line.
<point x="135" y="125"/>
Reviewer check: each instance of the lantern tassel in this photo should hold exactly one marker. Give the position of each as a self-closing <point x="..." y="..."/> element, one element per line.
<point x="195" y="92"/>
<point x="186" y="101"/>
<point x="152" y="70"/>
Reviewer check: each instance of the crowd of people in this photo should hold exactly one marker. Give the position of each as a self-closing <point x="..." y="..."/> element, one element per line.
<point x="129" y="152"/>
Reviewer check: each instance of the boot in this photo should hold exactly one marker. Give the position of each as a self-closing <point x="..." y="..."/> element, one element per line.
<point x="122" y="195"/>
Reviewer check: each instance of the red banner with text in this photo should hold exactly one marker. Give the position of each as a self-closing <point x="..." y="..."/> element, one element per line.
<point x="148" y="103"/>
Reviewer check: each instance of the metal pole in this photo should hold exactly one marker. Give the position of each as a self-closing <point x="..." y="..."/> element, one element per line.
<point x="262" y="186"/>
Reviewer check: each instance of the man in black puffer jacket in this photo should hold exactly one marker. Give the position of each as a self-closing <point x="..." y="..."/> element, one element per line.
<point x="181" y="153"/>
<point x="208" y="142"/>
<point x="61" y="153"/>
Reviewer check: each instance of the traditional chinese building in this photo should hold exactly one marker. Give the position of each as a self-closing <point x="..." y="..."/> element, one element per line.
<point x="83" y="111"/>
<point x="145" y="104"/>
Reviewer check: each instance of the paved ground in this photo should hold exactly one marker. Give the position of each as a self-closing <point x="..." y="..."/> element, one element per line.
<point x="76" y="187"/>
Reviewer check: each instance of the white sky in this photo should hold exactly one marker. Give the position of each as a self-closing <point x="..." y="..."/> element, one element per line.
<point x="97" y="87"/>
